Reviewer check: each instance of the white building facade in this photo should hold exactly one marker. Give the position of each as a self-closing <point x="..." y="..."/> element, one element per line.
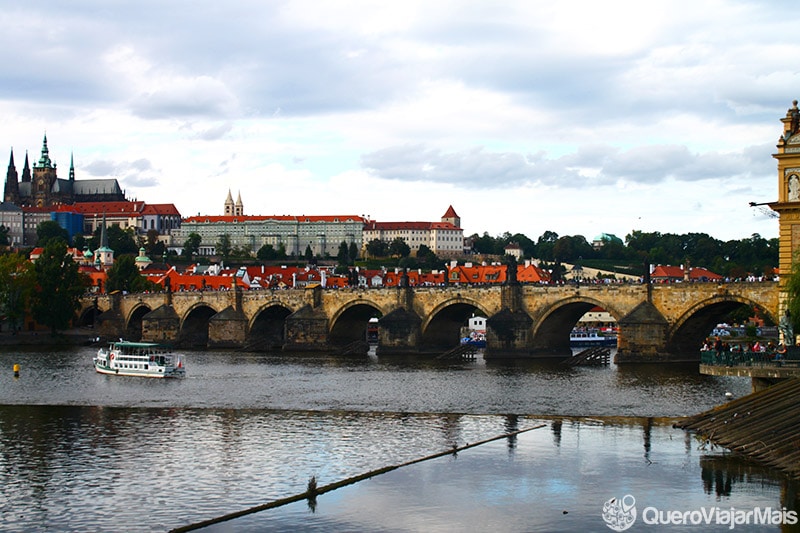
<point x="444" y="238"/>
<point x="323" y="234"/>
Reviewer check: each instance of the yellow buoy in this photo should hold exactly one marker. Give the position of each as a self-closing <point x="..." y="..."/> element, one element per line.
<point x="16" y="371"/>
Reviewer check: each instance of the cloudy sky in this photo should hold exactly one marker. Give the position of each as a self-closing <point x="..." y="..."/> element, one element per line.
<point x="525" y="116"/>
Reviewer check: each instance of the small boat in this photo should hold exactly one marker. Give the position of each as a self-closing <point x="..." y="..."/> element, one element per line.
<point x="474" y="333"/>
<point x="475" y="338"/>
<point x="373" y="333"/>
<point x="146" y="359"/>
<point x="590" y="337"/>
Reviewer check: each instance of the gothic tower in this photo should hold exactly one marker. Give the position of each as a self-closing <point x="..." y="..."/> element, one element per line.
<point x="788" y="204"/>
<point x="44" y="176"/>
<point x="11" y="191"/>
<point x="26" y="170"/>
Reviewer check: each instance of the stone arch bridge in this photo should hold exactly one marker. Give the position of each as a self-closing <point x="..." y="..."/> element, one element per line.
<point x="657" y="322"/>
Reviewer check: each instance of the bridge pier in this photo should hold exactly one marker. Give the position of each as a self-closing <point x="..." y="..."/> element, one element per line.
<point x="307" y="330"/>
<point x="508" y="334"/>
<point x="400" y="332"/>
<point x="642" y="336"/>
<point x="111" y="323"/>
<point x="227" y="329"/>
<point x="161" y="325"/>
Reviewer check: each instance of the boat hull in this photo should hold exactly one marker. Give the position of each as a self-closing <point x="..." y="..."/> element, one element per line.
<point x="606" y="342"/>
<point x="140" y="373"/>
<point x="138" y="359"/>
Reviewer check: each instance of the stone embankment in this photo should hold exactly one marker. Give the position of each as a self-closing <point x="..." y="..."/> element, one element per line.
<point x="764" y="426"/>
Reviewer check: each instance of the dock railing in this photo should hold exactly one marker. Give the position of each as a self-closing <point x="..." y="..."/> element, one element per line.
<point x="755" y="359"/>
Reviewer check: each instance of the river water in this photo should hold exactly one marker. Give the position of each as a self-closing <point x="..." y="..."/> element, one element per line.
<point x="80" y="451"/>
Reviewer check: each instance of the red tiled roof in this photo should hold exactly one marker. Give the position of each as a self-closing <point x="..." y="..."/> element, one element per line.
<point x="389" y="226"/>
<point x="109" y="208"/>
<point x="160" y="209"/>
<point x="256" y="218"/>
<point x="450" y="213"/>
<point x="677" y="273"/>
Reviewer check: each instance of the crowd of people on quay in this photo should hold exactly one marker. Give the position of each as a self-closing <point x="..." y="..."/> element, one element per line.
<point x="767" y="350"/>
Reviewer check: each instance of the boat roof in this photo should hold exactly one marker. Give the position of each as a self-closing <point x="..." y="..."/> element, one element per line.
<point x="132" y="344"/>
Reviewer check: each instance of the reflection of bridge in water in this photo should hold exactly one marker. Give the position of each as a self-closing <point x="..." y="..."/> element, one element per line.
<point x="656" y="322"/>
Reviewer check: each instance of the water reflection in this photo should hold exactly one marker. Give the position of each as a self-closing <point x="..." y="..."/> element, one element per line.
<point x="534" y="489"/>
<point x="243" y="429"/>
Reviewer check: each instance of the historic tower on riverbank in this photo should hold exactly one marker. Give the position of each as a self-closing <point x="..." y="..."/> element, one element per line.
<point x="788" y="204"/>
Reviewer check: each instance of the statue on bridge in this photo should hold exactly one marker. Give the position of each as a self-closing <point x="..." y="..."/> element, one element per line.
<point x="786" y="329"/>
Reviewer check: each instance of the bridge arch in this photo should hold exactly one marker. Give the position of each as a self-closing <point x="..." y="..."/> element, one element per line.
<point x="193" y="331"/>
<point x="550" y="333"/>
<point x="133" y="322"/>
<point x="441" y="329"/>
<point x="695" y="324"/>
<point x="87" y="316"/>
<point x="349" y="323"/>
<point x="266" y="329"/>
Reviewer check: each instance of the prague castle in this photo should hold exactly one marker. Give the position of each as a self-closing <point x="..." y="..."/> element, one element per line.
<point x="43" y="188"/>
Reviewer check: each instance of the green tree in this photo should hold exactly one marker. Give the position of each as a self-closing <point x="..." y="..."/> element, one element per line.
<point x="377" y="248"/>
<point x="224" y="246"/>
<point x="399" y="248"/>
<point x="793" y="295"/>
<point x="125" y="276"/>
<point x="80" y="242"/>
<point x="153" y="247"/>
<point x="484" y="244"/>
<point x="59" y="286"/>
<point x="570" y="248"/>
<point x="4" y="236"/>
<point x="49" y="230"/>
<point x="16" y="285"/>
<point x="267" y="253"/>
<point x="309" y="253"/>
<point x="426" y="258"/>
<point x="191" y="246"/>
<point x="352" y="252"/>
<point x="545" y="244"/>
<point x="122" y="241"/>
<point x="343" y="256"/>
<point x="282" y="251"/>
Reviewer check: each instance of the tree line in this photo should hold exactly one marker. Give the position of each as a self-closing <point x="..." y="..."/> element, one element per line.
<point x="49" y="289"/>
<point x="754" y="255"/>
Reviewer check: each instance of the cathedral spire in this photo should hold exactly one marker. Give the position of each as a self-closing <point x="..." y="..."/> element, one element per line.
<point x="11" y="191"/>
<point x="26" y="169"/>
<point x="44" y="160"/>
<point x="71" y="167"/>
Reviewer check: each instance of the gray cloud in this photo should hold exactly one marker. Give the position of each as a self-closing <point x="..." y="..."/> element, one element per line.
<point x="137" y="173"/>
<point x="598" y="165"/>
<point x="247" y="58"/>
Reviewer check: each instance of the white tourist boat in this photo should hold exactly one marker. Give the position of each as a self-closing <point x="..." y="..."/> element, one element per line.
<point x="147" y="359"/>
